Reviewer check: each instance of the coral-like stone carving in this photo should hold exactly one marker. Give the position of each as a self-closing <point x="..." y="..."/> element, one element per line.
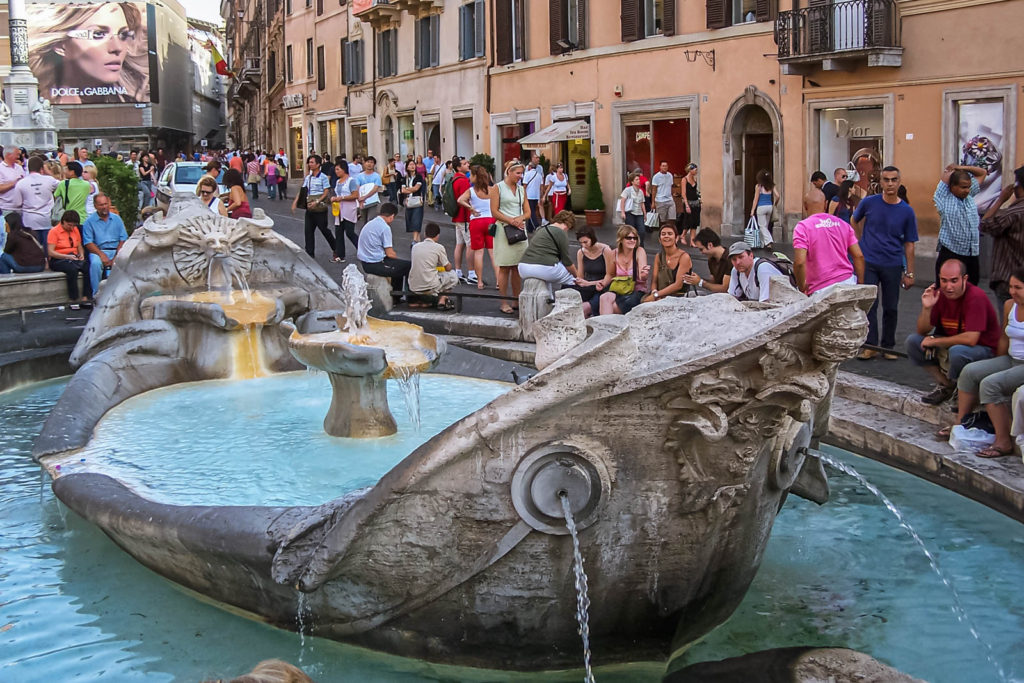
<point x="200" y="238"/>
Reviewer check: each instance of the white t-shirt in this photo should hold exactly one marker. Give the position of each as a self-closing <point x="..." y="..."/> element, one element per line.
<point x="556" y="184"/>
<point x="744" y="285"/>
<point x="663" y="181"/>
<point x="36" y="192"/>
<point x="533" y="178"/>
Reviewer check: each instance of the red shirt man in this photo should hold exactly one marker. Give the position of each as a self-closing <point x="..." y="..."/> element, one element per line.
<point x="972" y="312"/>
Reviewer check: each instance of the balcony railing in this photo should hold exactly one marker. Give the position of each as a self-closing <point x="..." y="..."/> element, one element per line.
<point x="251" y="70"/>
<point x="841" y="30"/>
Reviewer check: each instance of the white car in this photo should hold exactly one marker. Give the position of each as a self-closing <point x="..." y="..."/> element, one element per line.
<point x="182" y="176"/>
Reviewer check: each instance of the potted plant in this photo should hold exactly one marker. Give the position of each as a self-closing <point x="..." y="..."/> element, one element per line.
<point x="595" y="198"/>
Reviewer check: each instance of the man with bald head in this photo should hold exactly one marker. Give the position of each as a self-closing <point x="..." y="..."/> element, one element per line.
<point x="957" y="325"/>
<point x="103" y="236"/>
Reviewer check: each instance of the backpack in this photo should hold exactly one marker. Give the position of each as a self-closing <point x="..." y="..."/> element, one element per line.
<point x="448" y="198"/>
<point x="781" y="262"/>
<point x="59" y="202"/>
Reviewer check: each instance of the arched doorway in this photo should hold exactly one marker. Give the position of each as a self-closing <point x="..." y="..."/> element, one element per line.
<point x="388" y="133"/>
<point x="752" y="142"/>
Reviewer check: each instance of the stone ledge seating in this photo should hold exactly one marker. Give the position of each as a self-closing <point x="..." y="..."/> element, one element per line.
<point x="32" y="290"/>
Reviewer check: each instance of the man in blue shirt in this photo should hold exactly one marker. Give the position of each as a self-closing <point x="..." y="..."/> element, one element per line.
<point x="959" y="218"/>
<point x="888" y="230"/>
<point x="103" y="236"/>
<point x="376" y="253"/>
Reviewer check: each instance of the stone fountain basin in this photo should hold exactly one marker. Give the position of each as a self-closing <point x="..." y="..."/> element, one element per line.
<point x="690" y="449"/>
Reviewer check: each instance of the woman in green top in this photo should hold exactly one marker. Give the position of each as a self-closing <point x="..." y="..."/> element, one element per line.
<point x="509" y="207"/>
<point x="547" y="258"/>
<point x="670" y="266"/>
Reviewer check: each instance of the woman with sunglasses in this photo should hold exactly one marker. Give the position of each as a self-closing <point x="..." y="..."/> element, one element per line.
<point x="210" y="194"/>
<point x="629" y="281"/>
<point x="89" y="53"/>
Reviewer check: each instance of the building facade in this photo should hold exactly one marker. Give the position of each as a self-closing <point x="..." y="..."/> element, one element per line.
<point x="208" y="88"/>
<point x="737" y="86"/>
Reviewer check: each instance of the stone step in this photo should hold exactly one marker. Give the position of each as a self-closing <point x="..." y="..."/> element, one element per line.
<point x="27" y="290"/>
<point x="910" y="444"/>
<point x="891" y="396"/>
<point x="516" y="352"/>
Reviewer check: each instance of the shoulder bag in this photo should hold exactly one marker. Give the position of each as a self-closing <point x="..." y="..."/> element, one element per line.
<point x="58" y="204"/>
<point x="414" y="201"/>
<point x="624" y="284"/>
<point x="314" y="204"/>
<point x="514" y="235"/>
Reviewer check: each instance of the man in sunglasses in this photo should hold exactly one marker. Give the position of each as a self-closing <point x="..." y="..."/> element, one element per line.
<point x="831" y="188"/>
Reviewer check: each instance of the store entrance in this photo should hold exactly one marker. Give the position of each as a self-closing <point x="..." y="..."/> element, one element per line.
<point x="757" y="157"/>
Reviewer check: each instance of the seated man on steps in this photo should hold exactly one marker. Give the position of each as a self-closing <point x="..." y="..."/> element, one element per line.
<point x="750" y="278"/>
<point x="376" y="253"/>
<point x="957" y="325"/>
<point x="431" y="273"/>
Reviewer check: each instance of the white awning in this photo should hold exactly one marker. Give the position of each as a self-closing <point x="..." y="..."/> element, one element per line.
<point x="556" y="132"/>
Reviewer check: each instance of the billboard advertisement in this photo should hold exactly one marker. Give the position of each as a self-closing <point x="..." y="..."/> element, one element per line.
<point x="980" y="141"/>
<point x="90" y="53"/>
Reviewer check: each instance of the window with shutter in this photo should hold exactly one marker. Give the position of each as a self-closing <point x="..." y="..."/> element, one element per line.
<point x="668" y="18"/>
<point x="319" y="7"/>
<point x="417" y="44"/>
<point x="288" y="63"/>
<point x="518" y="31"/>
<point x="435" y="40"/>
<point x="765" y="10"/>
<point x="558" y="29"/>
<point x="503" y="31"/>
<point x="343" y="62"/>
<point x="357" y="50"/>
<point x="479" y="28"/>
<point x="465" y="31"/>
<point x="309" y="57"/>
<point x="631" y="16"/>
<point x="719" y="13"/>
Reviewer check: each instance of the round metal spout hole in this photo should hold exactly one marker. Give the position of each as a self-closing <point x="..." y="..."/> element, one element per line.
<point x="544" y="478"/>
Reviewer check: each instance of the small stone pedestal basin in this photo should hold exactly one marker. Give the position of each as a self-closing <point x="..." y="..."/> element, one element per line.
<point x="359" y="364"/>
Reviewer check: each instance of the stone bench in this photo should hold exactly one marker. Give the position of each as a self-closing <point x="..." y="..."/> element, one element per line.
<point x="29" y="290"/>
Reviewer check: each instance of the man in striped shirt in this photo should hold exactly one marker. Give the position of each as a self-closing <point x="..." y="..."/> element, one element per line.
<point x="959" y="218"/>
<point x="318" y="188"/>
<point x="1007" y="229"/>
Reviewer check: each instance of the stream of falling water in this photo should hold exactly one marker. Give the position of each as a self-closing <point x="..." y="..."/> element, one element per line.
<point x="957" y="606"/>
<point x="582" y="599"/>
<point x="300" y="622"/>
<point x="410" y="387"/>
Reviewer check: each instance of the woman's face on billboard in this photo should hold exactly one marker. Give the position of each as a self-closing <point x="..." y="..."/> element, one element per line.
<point x="98" y="48"/>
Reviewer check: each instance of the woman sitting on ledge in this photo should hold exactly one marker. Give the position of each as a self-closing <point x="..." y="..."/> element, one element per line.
<point x="547" y="256"/>
<point x="22" y="252"/>
<point x="994" y="380"/>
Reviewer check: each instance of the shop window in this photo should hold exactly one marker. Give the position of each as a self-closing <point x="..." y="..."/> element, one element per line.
<point x="351" y="62"/>
<point x="648" y="142"/>
<point x="510" y="147"/>
<point x="981" y="141"/>
<point x="471" y="30"/>
<point x="428" y="42"/>
<point x="852" y="138"/>
<point x="646" y="18"/>
<point x="510" y="20"/>
<point x="387" y="53"/>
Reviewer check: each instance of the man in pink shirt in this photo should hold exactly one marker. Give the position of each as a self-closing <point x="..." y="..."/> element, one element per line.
<point x="11" y="172"/>
<point x="825" y="252"/>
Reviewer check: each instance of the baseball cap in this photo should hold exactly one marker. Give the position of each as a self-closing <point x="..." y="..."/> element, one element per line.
<point x="738" y="248"/>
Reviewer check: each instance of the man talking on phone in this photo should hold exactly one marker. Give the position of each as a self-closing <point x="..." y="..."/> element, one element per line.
<point x="957" y="325"/>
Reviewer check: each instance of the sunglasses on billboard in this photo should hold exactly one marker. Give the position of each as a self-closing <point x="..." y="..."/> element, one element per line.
<point x="98" y="35"/>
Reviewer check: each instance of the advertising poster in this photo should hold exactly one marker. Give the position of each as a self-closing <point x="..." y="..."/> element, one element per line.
<point x="980" y="143"/>
<point x="89" y="53"/>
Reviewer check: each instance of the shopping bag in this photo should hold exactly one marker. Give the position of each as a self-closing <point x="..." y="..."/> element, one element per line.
<point x="752" y="234"/>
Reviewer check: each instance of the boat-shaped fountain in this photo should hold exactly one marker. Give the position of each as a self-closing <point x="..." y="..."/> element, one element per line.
<point x="671" y="435"/>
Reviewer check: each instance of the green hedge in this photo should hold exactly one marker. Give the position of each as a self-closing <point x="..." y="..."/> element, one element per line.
<point x="118" y="181"/>
<point x="485" y="160"/>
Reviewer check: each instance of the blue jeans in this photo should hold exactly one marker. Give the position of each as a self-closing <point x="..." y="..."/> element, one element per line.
<point x="96" y="268"/>
<point x="272" y="188"/>
<point x="959" y="355"/>
<point x="887" y="278"/>
<point x="9" y="265"/>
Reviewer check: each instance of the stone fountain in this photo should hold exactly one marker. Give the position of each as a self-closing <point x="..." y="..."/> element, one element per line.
<point x="672" y="434"/>
<point x="359" y="357"/>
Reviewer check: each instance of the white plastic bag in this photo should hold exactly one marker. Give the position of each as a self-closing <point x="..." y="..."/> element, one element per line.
<point x="752" y="234"/>
<point x="964" y="440"/>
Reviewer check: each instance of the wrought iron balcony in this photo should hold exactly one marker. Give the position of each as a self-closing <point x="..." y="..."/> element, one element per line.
<point x="839" y="36"/>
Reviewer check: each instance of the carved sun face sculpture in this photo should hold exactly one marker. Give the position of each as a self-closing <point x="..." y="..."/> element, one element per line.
<point x="201" y="238"/>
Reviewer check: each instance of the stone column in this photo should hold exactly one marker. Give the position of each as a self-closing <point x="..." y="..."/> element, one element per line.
<point x="26" y="120"/>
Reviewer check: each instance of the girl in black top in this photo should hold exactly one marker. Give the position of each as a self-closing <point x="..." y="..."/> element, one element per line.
<point x="22" y="252"/>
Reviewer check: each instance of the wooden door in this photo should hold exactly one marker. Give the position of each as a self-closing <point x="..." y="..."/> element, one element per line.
<point x="757" y="156"/>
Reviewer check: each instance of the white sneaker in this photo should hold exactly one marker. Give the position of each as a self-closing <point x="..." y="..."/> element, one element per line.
<point x="471" y="279"/>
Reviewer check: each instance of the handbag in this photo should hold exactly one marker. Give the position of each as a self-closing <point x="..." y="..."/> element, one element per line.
<point x="253" y="178"/>
<point x="414" y="201"/>
<point x="622" y="284"/>
<point x="752" y="234"/>
<point x="492" y="229"/>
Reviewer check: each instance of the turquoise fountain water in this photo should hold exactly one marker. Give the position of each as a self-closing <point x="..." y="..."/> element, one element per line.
<point x="74" y="606"/>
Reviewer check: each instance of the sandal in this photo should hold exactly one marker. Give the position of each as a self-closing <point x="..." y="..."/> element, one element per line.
<point x="448" y="305"/>
<point x="993" y="452"/>
<point x="336" y="259"/>
<point x="944" y="432"/>
<point x="507" y="310"/>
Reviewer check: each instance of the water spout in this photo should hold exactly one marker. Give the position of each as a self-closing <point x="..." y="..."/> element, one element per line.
<point x="409" y="384"/>
<point x="354" y="298"/>
<point x="957" y="606"/>
<point x="582" y="599"/>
